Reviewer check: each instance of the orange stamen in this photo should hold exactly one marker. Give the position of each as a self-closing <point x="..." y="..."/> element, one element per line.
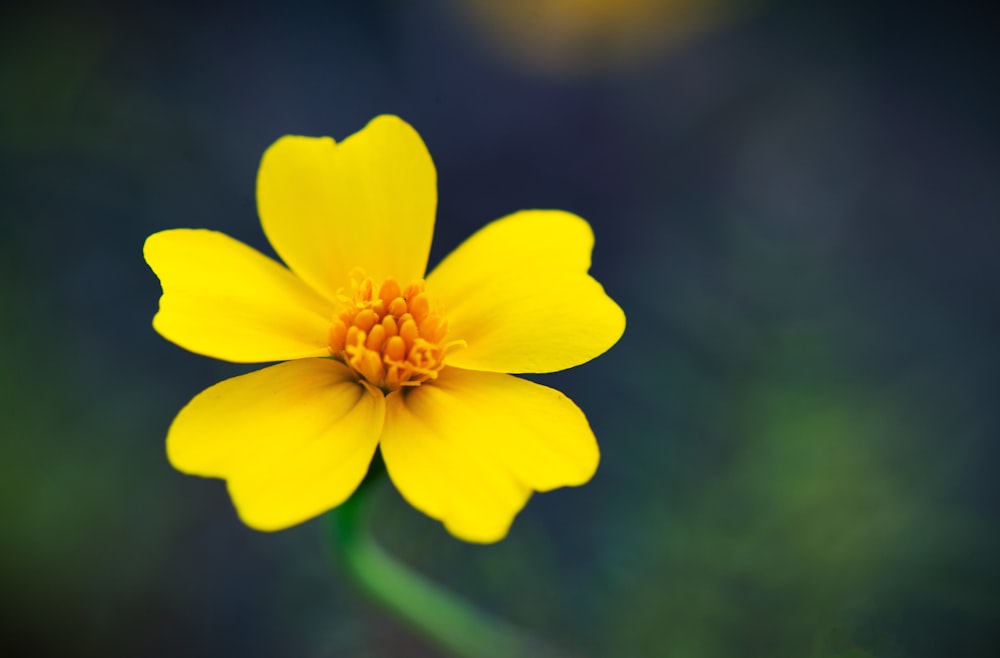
<point x="393" y="338"/>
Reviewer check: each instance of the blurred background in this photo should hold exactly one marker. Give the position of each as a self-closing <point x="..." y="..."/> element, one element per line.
<point x="797" y="206"/>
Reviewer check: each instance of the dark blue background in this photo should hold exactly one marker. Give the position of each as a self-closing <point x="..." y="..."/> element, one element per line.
<point x="797" y="208"/>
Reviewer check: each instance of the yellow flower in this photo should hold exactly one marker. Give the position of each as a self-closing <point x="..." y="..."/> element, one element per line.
<point x="376" y="356"/>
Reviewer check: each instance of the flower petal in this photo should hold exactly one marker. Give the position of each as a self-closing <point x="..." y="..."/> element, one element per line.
<point x="226" y="300"/>
<point x="518" y="293"/>
<point x="469" y="448"/>
<point x="292" y="440"/>
<point x="367" y="202"/>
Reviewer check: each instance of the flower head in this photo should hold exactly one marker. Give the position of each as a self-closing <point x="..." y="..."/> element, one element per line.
<point x="375" y="355"/>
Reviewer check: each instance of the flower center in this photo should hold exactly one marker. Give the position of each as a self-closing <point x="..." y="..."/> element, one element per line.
<point x="390" y="337"/>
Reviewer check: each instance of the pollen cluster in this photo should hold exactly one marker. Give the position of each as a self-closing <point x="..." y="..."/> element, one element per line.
<point x="389" y="336"/>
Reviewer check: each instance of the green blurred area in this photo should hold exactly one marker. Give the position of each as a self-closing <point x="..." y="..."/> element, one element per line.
<point x="797" y="210"/>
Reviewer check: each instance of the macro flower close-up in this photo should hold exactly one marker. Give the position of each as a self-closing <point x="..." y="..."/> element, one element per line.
<point x="375" y="352"/>
<point x="683" y="343"/>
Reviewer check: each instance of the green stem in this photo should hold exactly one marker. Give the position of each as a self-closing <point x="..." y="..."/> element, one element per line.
<point x="442" y="617"/>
